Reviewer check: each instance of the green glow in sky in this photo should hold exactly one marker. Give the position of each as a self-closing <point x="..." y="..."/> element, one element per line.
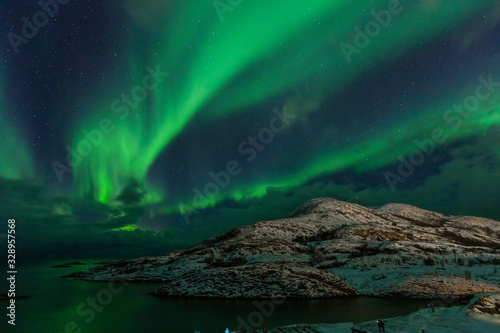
<point x="219" y="67"/>
<point x="16" y="162"/>
<point x="126" y="228"/>
<point x="371" y="153"/>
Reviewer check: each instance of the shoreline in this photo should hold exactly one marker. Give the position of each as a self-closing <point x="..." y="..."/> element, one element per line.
<point x="441" y="320"/>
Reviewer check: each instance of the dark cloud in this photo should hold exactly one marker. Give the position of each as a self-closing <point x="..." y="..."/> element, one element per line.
<point x="132" y="194"/>
<point x="57" y="227"/>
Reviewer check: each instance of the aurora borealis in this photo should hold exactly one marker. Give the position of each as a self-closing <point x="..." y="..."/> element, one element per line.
<point x="134" y="128"/>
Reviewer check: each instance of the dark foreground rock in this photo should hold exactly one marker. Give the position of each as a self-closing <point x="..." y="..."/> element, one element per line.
<point x="69" y="264"/>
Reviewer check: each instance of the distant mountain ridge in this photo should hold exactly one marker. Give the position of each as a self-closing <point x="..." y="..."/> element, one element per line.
<point x="330" y="248"/>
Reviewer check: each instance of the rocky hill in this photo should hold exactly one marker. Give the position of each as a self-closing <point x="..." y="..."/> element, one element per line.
<point x="329" y="248"/>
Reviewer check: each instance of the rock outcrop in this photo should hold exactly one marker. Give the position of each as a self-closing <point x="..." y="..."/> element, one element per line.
<point x="489" y="304"/>
<point x="438" y="287"/>
<point x="262" y="280"/>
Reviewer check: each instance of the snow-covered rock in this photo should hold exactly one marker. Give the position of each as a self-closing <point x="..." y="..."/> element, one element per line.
<point x="330" y="248"/>
<point x="262" y="280"/>
<point x="489" y="304"/>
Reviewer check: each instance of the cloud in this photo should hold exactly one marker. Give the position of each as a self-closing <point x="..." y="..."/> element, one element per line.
<point x="59" y="227"/>
<point x="132" y="194"/>
<point x="55" y="227"/>
<point x="458" y="184"/>
<point x="462" y="186"/>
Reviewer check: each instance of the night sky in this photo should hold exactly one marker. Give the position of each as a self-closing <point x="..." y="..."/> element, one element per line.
<point x="134" y="127"/>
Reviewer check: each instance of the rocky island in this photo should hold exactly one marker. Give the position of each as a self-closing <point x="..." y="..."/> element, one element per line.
<point x="330" y="248"/>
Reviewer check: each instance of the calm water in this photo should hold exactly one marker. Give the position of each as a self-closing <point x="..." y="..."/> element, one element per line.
<point x="54" y="301"/>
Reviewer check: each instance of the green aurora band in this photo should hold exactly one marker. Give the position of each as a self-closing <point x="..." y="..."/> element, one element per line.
<point x="215" y="71"/>
<point x="376" y="151"/>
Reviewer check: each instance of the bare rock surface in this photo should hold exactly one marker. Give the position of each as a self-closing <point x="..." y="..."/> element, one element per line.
<point x="489" y="304"/>
<point x="263" y="280"/>
<point x="439" y="286"/>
